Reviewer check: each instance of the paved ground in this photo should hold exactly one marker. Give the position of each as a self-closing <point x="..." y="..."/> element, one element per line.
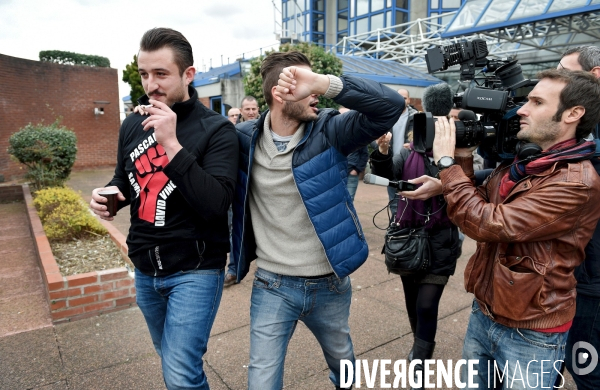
<point x="114" y="351"/>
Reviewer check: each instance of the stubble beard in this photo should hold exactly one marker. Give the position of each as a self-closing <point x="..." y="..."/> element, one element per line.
<point x="546" y="132"/>
<point x="297" y="111"/>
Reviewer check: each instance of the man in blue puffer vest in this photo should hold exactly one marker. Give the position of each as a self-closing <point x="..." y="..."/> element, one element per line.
<point x="293" y="213"/>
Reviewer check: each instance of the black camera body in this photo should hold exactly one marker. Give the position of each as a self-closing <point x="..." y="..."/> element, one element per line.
<point x="495" y="98"/>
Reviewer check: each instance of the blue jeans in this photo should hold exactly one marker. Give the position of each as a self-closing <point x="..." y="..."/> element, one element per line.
<point x="586" y="327"/>
<point x="352" y="185"/>
<point x="535" y="352"/>
<point x="180" y="310"/>
<point x="277" y="303"/>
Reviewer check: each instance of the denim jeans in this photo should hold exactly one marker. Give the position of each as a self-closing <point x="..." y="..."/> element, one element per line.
<point x="352" y="185"/>
<point x="535" y="352"/>
<point x="586" y="327"/>
<point x="277" y="303"/>
<point x="180" y="310"/>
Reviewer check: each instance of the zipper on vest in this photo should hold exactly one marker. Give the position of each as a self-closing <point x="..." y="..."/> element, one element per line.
<point x="253" y="138"/>
<point x="309" y="219"/>
<point x="356" y="224"/>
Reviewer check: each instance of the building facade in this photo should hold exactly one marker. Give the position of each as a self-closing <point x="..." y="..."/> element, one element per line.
<point x="328" y="22"/>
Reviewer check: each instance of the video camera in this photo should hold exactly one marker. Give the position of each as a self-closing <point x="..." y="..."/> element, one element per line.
<point x="496" y="98"/>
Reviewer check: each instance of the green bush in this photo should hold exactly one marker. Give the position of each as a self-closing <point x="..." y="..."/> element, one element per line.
<point x="48" y="151"/>
<point x="69" y="58"/>
<point x="64" y="214"/>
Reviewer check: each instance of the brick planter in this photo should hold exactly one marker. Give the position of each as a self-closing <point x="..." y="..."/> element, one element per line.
<point x="86" y="295"/>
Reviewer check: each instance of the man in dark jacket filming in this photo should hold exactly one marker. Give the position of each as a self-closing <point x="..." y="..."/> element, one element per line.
<point x="293" y="214"/>
<point x="532" y="220"/>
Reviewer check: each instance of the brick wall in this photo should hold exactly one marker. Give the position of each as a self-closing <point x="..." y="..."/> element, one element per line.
<point x="34" y="91"/>
<point x="11" y="193"/>
<point x="205" y="101"/>
<point x="80" y="296"/>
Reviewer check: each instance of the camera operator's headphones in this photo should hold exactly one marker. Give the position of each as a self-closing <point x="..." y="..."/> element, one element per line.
<point x="527" y="150"/>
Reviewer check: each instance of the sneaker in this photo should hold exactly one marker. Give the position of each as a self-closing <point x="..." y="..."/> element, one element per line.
<point x="230" y="279"/>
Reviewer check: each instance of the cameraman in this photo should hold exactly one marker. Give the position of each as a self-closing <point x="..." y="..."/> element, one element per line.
<point x="532" y="220"/>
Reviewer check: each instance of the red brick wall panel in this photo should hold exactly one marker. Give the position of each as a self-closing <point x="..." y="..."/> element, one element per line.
<point x="35" y="91"/>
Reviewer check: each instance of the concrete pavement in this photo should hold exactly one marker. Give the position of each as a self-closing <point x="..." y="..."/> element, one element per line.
<point x="114" y="351"/>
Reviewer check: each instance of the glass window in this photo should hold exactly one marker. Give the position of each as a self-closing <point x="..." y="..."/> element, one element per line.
<point x="389" y="4"/>
<point x="342" y="21"/>
<point x="318" y="5"/>
<point x="388" y="19"/>
<point x="376" y="5"/>
<point x="402" y="4"/>
<point x="215" y="104"/>
<point x="595" y="2"/>
<point x="401" y="17"/>
<point x="468" y="14"/>
<point x="377" y="21"/>
<point x="362" y="7"/>
<point x="352" y="6"/>
<point x="318" y="23"/>
<point x="434" y="4"/>
<point x="529" y="8"/>
<point x="342" y="4"/>
<point x="451" y="3"/>
<point x="300" y="5"/>
<point x="446" y="19"/>
<point x="498" y="11"/>
<point x="566" y="4"/>
<point x="362" y="26"/>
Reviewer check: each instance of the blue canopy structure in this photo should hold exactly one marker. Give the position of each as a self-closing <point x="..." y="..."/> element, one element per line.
<point x="477" y="16"/>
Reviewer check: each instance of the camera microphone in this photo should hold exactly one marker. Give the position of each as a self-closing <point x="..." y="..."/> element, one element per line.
<point x="438" y="99"/>
<point x="467" y="115"/>
<point x="400" y="185"/>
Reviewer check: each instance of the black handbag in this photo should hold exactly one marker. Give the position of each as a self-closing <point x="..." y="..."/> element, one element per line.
<point x="407" y="250"/>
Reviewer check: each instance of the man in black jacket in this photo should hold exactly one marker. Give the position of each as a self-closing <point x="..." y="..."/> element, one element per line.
<point x="585" y="331"/>
<point x="177" y="169"/>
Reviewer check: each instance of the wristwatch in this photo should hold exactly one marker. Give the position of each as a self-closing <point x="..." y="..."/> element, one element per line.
<point x="445" y="162"/>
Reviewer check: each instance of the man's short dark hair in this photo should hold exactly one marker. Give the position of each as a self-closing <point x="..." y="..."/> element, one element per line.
<point x="589" y="56"/>
<point x="273" y="65"/>
<point x="248" y="99"/>
<point x="159" y="37"/>
<point x="581" y="89"/>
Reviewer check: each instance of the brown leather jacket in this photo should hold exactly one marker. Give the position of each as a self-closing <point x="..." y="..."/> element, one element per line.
<point x="527" y="244"/>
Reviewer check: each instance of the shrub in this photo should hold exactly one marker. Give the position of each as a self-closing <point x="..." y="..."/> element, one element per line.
<point x="70" y="58"/>
<point x="48" y="151"/>
<point x="64" y="214"/>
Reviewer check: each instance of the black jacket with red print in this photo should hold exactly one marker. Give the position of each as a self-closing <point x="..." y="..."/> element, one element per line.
<point x="178" y="208"/>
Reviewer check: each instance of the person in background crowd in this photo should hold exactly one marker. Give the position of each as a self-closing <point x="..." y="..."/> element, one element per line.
<point x="422" y="291"/>
<point x="249" y="108"/>
<point x="401" y="137"/>
<point x="357" y="162"/>
<point x="586" y="324"/>
<point x="233" y="115"/>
